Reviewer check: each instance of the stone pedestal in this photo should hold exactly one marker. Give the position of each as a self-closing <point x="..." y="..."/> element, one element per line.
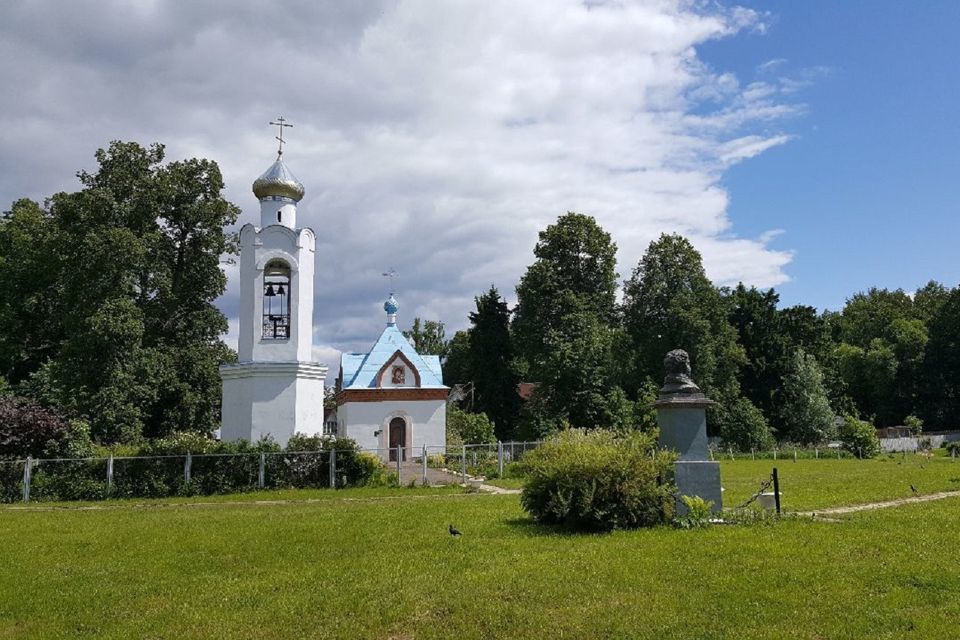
<point x="682" y="419"/>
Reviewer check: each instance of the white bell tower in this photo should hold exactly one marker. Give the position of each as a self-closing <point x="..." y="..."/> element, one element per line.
<point x="275" y="389"/>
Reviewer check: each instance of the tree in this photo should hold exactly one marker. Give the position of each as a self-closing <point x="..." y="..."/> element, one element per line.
<point x="805" y="413"/>
<point x="670" y="304"/>
<point x="744" y="427"/>
<point x="940" y="385"/>
<point x="492" y="369"/>
<point x="575" y="268"/>
<point x="129" y="335"/>
<point x="753" y="313"/>
<point x="565" y="322"/>
<point x="456" y="366"/>
<point x="428" y="337"/>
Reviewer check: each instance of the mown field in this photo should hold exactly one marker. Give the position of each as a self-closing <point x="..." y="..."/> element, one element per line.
<point x="380" y="564"/>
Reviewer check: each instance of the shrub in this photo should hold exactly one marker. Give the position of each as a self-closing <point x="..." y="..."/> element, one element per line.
<point x="913" y="423"/>
<point x="698" y="513"/>
<point x="469" y="428"/>
<point x="859" y="437"/>
<point x="29" y="429"/>
<point x="598" y="481"/>
<point x="743" y="427"/>
<point x="953" y="448"/>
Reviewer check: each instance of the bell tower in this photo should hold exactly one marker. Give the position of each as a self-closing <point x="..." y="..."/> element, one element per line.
<point x="276" y="388"/>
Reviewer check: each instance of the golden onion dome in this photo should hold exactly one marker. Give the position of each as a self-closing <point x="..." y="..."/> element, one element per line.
<point x="278" y="181"/>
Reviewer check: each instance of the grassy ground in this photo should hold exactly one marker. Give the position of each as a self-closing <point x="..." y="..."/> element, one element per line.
<point x="365" y="567"/>
<point x="816" y="484"/>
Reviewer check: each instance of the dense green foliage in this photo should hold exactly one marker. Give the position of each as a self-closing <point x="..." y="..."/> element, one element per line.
<point x="468" y="428"/>
<point x="28" y="429"/>
<point x="859" y="437"/>
<point x="782" y="373"/>
<point x="107" y="295"/>
<point x="598" y="481"/>
<point x="427" y="337"/>
<point x="157" y="469"/>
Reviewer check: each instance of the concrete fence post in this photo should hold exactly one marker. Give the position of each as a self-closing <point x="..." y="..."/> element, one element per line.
<point x="186" y="468"/>
<point x="262" y="471"/>
<point x="816" y="453"/>
<point x="774" y="453"/>
<point x="398" y="462"/>
<point x="423" y="463"/>
<point x="27" y="475"/>
<point x="500" y="457"/>
<point x="110" y="472"/>
<point x="333" y="468"/>
<point x="463" y="463"/>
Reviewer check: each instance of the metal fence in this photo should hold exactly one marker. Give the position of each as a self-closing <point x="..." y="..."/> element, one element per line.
<point x="68" y="479"/>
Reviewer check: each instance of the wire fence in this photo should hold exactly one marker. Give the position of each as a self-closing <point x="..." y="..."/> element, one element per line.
<point x="160" y="476"/>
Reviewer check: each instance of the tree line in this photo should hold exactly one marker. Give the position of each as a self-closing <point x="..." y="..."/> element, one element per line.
<point x="107" y="309"/>
<point x="782" y="374"/>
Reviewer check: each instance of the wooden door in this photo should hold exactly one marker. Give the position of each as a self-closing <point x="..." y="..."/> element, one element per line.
<point x="398" y="438"/>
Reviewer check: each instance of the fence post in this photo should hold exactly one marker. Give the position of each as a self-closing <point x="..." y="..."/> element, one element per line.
<point x="753" y="453"/>
<point x="262" y="471"/>
<point x="774" y="453"/>
<point x="794" y="455"/>
<point x="463" y="463"/>
<point x="333" y="468"/>
<point x="776" y="489"/>
<point x="423" y="462"/>
<point x="186" y="468"/>
<point x="816" y="453"/>
<point x="27" y="474"/>
<point x="110" y="472"/>
<point x="731" y="453"/>
<point x="838" y="453"/>
<point x="398" y="463"/>
<point x="500" y="457"/>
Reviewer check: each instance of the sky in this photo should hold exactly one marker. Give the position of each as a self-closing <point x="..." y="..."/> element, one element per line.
<point x="806" y="146"/>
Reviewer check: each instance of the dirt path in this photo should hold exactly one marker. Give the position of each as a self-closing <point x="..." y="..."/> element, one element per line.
<point x="871" y="506"/>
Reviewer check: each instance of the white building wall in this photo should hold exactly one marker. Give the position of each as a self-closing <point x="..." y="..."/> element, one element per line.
<point x="427" y="421"/>
<point x="275" y="399"/>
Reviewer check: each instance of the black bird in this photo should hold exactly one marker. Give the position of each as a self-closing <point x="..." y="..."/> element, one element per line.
<point x="914" y="489"/>
<point x="454" y="532"/>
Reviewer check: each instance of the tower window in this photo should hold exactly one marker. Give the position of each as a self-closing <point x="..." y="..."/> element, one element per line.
<point x="276" y="300"/>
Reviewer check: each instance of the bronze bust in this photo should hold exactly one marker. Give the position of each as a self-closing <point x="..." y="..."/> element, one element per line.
<point x="677" y="367"/>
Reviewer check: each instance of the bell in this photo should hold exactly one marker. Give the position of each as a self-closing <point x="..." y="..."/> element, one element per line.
<point x="269" y="292"/>
<point x="280" y="291"/>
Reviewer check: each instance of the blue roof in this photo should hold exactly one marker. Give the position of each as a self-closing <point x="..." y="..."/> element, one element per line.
<point x="360" y="369"/>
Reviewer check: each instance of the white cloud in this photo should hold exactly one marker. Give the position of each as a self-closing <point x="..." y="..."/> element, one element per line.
<point x="436" y="138"/>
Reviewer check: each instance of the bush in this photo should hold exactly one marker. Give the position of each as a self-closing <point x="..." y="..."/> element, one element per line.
<point x="913" y="423"/>
<point x="468" y="428"/>
<point x="29" y="429"/>
<point x="859" y="437"/>
<point x="743" y="427"/>
<point x="598" y="481"/>
<point x="953" y="448"/>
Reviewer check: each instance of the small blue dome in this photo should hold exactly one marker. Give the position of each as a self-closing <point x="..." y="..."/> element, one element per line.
<point x="391" y="306"/>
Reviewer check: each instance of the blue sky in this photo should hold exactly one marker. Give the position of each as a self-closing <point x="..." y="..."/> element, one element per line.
<point x="868" y="190"/>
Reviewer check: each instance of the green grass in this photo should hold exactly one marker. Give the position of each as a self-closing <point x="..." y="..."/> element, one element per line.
<point x="378" y="563"/>
<point x="816" y="484"/>
<point x="373" y="568"/>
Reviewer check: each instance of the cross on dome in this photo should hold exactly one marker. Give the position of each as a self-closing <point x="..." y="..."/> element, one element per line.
<point x="280" y="123"/>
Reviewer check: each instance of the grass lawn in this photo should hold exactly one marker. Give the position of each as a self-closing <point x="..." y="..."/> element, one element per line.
<point x="357" y="565"/>
<point x="816" y="484"/>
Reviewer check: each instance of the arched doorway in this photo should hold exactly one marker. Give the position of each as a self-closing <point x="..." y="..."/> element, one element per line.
<point x="398" y="438"/>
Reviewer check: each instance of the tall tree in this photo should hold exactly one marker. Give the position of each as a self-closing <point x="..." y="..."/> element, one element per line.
<point x="492" y="363"/>
<point x="805" y="413"/>
<point x="940" y="384"/>
<point x="670" y="304"/>
<point x="136" y="273"/>
<point x="565" y="322"/>
<point x="753" y="313"/>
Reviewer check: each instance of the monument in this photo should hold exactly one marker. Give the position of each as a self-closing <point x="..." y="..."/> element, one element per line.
<point x="682" y="417"/>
